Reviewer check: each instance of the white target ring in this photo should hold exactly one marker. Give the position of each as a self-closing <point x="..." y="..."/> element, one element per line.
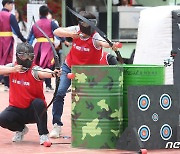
<point x="166" y="132"/>
<point x="143" y="102"/>
<point x="165" y="101"/>
<point x="144" y="133"/>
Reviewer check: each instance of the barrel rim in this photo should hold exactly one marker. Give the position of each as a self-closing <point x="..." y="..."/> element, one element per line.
<point x="123" y="65"/>
<point x="144" y="66"/>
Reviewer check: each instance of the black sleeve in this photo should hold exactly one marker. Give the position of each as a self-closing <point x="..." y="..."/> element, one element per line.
<point x="55" y="26"/>
<point x="15" y="27"/>
<point x="112" y="60"/>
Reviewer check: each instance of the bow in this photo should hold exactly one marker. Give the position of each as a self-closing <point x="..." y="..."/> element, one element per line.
<point x="101" y="33"/>
<point x="56" y="59"/>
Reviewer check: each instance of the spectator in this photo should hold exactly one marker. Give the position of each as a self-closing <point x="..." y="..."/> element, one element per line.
<point x="22" y="24"/>
<point x="23" y="29"/>
<point x="8" y="26"/>
<point x="44" y="56"/>
<point x="125" y="2"/>
<point x="58" y="42"/>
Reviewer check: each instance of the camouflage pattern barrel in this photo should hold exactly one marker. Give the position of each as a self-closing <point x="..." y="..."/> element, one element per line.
<point x="96" y="106"/>
<point x="135" y="75"/>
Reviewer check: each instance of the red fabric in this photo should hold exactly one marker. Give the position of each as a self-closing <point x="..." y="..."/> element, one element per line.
<point x="131" y="2"/>
<point x="83" y="52"/>
<point x="24" y="88"/>
<point x="45" y="49"/>
<point x="104" y="60"/>
<point x="6" y="43"/>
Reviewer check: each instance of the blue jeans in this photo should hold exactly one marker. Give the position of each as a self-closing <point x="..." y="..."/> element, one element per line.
<point x="58" y="103"/>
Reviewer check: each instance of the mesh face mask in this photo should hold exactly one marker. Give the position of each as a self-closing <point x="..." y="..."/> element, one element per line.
<point x="24" y="55"/>
<point x="93" y="21"/>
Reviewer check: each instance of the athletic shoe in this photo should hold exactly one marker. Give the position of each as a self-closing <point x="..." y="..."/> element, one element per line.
<point x="6" y="88"/>
<point x="19" y="136"/>
<point x="44" y="138"/>
<point x="56" y="131"/>
<point x="48" y="89"/>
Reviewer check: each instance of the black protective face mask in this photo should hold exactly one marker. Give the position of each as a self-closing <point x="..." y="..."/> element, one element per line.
<point x="25" y="63"/>
<point x="86" y="30"/>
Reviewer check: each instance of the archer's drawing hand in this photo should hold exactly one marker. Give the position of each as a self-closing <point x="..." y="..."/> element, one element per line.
<point x="67" y="44"/>
<point x="17" y="68"/>
<point x="75" y="35"/>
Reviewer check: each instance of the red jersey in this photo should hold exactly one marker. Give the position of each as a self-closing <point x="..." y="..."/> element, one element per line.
<point x="83" y="52"/>
<point x="24" y="88"/>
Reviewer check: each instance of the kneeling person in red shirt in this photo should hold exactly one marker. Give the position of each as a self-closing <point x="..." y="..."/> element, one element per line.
<point x="26" y="98"/>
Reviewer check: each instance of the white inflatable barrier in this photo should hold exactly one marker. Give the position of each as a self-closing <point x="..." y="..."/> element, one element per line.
<point x="154" y="42"/>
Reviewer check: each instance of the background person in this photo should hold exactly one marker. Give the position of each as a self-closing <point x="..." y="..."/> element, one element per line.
<point x="23" y="29"/>
<point x="44" y="56"/>
<point x="8" y="26"/>
<point x="22" y="24"/>
<point x="58" y="42"/>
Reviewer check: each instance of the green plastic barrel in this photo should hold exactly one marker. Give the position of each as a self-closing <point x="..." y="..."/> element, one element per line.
<point x="96" y="106"/>
<point x="135" y="75"/>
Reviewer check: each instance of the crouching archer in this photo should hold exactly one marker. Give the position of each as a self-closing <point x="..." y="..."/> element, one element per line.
<point x="26" y="97"/>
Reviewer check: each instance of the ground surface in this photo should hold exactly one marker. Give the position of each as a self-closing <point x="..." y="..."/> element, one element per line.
<point x="60" y="146"/>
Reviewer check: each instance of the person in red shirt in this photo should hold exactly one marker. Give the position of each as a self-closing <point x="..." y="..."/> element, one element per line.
<point x="26" y="98"/>
<point x="108" y="59"/>
<point x="86" y="49"/>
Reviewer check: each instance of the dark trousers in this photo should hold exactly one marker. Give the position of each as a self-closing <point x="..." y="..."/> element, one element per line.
<point x="14" y="119"/>
<point x="1" y="77"/>
<point x="48" y="82"/>
<point x="6" y="81"/>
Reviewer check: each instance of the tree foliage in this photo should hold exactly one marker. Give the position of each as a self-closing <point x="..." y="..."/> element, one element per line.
<point x="54" y="5"/>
